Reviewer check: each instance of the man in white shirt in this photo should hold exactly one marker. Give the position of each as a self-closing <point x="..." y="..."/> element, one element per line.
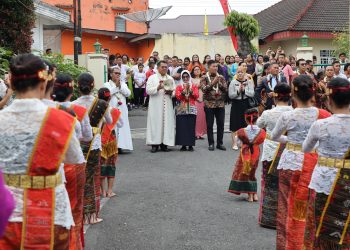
<point x="140" y="84"/>
<point x="337" y="73"/>
<point x="124" y="69"/>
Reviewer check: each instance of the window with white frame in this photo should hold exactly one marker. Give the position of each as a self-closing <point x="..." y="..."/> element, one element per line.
<point x="327" y="56"/>
<point x="120" y="24"/>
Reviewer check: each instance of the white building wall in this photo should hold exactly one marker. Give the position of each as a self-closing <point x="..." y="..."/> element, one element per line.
<point x="187" y="45"/>
<point x="37" y="36"/>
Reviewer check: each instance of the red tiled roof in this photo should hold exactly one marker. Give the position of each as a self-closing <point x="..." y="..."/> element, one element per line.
<point x="304" y="15"/>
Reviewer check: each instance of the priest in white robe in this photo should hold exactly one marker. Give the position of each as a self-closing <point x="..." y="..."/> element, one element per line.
<point x="161" y="117"/>
<point x="119" y="92"/>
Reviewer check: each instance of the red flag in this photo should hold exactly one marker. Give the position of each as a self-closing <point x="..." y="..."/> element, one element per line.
<point x="224" y="4"/>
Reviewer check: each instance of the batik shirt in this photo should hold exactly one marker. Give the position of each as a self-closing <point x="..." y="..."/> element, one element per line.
<point x="333" y="137"/>
<point x="268" y="120"/>
<point x="213" y="98"/>
<point x="86" y="101"/>
<point x="297" y="124"/>
<point x="19" y="127"/>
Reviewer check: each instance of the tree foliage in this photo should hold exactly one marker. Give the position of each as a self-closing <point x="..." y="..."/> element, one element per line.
<point x="244" y="24"/>
<point x="5" y="58"/>
<point x="341" y="42"/>
<point x="17" y="19"/>
<point x="66" y="66"/>
<point x="246" y="28"/>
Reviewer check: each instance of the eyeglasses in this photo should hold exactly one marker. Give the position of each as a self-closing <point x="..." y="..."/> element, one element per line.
<point x="117" y="73"/>
<point x="185" y="76"/>
<point x="302" y="64"/>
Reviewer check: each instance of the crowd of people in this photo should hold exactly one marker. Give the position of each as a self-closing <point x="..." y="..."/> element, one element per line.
<point x="59" y="155"/>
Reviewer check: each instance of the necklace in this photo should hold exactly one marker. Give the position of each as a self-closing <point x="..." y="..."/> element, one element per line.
<point x="216" y="88"/>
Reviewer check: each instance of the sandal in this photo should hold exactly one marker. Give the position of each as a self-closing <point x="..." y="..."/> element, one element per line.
<point x="110" y="195"/>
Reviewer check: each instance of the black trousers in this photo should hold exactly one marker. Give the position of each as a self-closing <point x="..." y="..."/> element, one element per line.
<point x="139" y="96"/>
<point x="219" y="115"/>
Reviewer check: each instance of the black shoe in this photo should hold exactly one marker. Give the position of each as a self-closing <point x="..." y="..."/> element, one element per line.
<point x="120" y="151"/>
<point x="183" y="148"/>
<point x="211" y="148"/>
<point x="221" y="147"/>
<point x="154" y="149"/>
<point x="164" y="148"/>
<point x="190" y="148"/>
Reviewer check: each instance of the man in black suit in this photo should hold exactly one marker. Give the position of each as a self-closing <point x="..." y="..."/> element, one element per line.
<point x="268" y="84"/>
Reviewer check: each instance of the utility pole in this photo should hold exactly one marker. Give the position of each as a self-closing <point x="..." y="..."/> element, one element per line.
<point x="77" y="30"/>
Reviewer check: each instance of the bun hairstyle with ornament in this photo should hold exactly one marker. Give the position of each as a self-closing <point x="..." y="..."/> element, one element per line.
<point x="282" y="92"/>
<point x="63" y="87"/>
<point x="338" y="90"/>
<point x="303" y="88"/>
<point x="104" y="94"/>
<point x="27" y="71"/>
<point x="251" y="116"/>
<point x="86" y="83"/>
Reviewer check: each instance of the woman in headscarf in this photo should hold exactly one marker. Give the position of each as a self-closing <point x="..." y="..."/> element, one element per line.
<point x="186" y="94"/>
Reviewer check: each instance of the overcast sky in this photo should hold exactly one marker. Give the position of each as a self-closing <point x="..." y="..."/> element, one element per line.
<point x="211" y="7"/>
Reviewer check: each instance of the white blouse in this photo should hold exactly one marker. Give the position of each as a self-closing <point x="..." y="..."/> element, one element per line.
<point x="19" y="127"/>
<point x="268" y="120"/>
<point x="297" y="124"/>
<point x="86" y="101"/>
<point x="86" y="130"/>
<point x="333" y="138"/>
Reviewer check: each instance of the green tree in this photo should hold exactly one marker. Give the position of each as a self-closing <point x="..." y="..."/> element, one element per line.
<point x="246" y="29"/>
<point x="341" y="42"/>
<point x="5" y="58"/>
<point x="66" y="66"/>
<point x="17" y="19"/>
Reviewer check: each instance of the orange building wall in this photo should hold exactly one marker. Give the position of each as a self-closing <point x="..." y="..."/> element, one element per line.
<point x="119" y="45"/>
<point x="98" y="14"/>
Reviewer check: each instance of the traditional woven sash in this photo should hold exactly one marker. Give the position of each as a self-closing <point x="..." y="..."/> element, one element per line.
<point x="334" y="221"/>
<point x="39" y="204"/>
<point x="301" y="194"/>
<point x="96" y="114"/>
<point x="276" y="159"/>
<point x="250" y="151"/>
<point x="109" y="145"/>
<point x="80" y="111"/>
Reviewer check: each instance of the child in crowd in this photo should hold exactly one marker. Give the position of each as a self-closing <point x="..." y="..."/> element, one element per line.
<point x="243" y="177"/>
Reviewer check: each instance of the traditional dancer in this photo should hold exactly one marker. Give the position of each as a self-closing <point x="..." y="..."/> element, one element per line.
<point x="294" y="165"/>
<point x="109" y="155"/>
<point x="271" y="153"/>
<point x="98" y="110"/>
<point x="75" y="174"/>
<point x="243" y="177"/>
<point x="328" y="205"/>
<point x="34" y="140"/>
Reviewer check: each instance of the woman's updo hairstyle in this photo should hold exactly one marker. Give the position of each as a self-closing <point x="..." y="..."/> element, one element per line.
<point x="27" y="71"/>
<point x="86" y="83"/>
<point x="339" y="92"/>
<point x="303" y="88"/>
<point x="282" y="92"/>
<point x="63" y="87"/>
<point x="104" y="94"/>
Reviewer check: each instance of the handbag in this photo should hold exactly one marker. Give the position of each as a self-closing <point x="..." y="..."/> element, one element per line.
<point x="253" y="102"/>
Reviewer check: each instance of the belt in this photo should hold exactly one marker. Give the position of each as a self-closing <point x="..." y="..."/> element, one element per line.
<point x="34" y="182"/>
<point x="296" y="147"/>
<point x="96" y="130"/>
<point x="333" y="163"/>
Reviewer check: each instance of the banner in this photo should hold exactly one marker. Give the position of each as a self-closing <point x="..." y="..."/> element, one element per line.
<point x="224" y="5"/>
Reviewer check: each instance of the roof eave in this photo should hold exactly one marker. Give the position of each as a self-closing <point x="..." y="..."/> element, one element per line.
<point x="51" y="12"/>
